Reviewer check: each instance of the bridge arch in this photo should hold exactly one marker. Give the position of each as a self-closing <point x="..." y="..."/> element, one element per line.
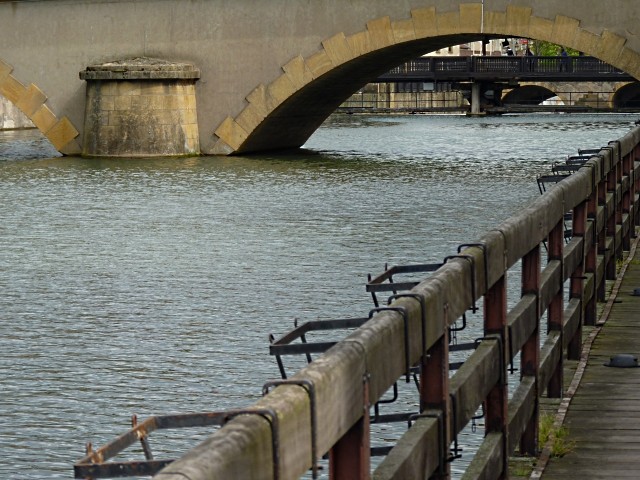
<point x="528" y="95"/>
<point x="627" y="97"/>
<point x="285" y="112"/>
<point x="30" y="100"/>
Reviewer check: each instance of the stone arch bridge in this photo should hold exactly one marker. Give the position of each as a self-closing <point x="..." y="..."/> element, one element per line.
<point x="600" y="95"/>
<point x="269" y="73"/>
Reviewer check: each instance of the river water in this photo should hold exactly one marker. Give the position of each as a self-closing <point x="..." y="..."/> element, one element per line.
<point x="151" y="286"/>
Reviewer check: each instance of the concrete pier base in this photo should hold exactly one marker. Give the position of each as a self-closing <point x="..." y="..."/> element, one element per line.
<point x="141" y="107"/>
<point x="476" y="90"/>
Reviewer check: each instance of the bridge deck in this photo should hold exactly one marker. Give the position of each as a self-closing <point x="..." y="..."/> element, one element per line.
<point x="603" y="418"/>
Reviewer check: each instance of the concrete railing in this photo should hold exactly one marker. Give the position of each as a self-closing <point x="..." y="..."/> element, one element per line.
<point x="325" y="407"/>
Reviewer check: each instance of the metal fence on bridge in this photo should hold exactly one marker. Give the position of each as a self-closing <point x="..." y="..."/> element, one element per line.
<point x="561" y="68"/>
<point x="325" y="409"/>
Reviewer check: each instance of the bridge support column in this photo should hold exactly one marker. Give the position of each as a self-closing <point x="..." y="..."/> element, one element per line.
<point x="476" y="90"/>
<point x="141" y="107"/>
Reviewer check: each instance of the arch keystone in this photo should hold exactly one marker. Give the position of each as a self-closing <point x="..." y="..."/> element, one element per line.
<point x="424" y="22"/>
<point x="470" y="17"/>
<point x="338" y="49"/>
<point x="564" y="30"/>
<point x="380" y="32"/>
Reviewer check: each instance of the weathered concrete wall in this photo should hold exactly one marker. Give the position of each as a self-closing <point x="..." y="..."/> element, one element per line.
<point x="436" y="101"/>
<point x="272" y="71"/>
<point x="140" y="107"/>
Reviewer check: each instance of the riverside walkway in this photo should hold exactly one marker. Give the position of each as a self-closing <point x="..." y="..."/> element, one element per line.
<point x="603" y="415"/>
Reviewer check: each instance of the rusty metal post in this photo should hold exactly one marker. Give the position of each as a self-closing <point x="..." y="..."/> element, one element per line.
<point x="627" y="200"/>
<point x="635" y="181"/>
<point x="496" y="409"/>
<point x="619" y="204"/>
<point x="602" y="238"/>
<point x="434" y="394"/>
<point x="350" y="457"/>
<point x="556" y="307"/>
<point x="577" y="280"/>
<point x="530" y="354"/>
<point x="611" y="222"/>
<point x="591" y="258"/>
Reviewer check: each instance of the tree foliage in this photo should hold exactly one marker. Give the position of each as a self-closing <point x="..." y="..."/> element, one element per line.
<point x="548" y="49"/>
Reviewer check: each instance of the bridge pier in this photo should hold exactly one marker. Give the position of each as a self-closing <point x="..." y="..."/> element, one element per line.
<point x="485" y="94"/>
<point x="141" y="107"/>
<point x="476" y="90"/>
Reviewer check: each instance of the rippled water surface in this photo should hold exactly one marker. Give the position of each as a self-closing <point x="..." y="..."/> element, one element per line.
<point x="151" y="286"/>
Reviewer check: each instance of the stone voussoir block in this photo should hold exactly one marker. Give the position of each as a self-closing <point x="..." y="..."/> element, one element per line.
<point x="250" y="117"/>
<point x="338" y="49"/>
<point x="424" y="22"/>
<point x="61" y="133"/>
<point x="43" y="118"/>
<point x="12" y="89"/>
<point x="565" y="30"/>
<point x="448" y="23"/>
<point x="403" y="31"/>
<point x="360" y="43"/>
<point x="470" y="17"/>
<point x="231" y="133"/>
<point x="541" y="28"/>
<point x="297" y="71"/>
<point x="610" y="47"/>
<point x="319" y="63"/>
<point x="380" y="33"/>
<point x="32" y="99"/>
<point x="518" y="18"/>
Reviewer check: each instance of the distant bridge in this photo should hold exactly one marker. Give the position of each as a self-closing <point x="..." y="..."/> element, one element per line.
<point x="505" y="68"/>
